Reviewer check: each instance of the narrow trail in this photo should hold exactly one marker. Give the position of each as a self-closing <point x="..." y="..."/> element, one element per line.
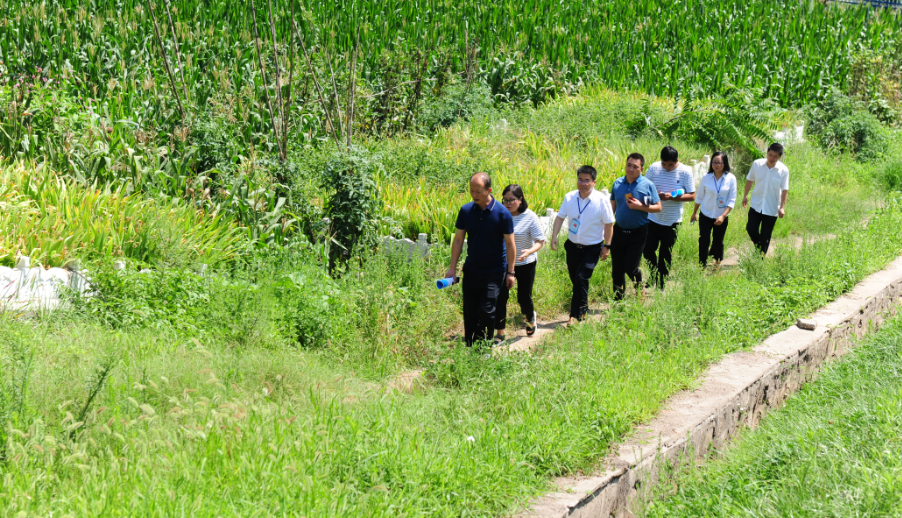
<point x="414" y="380"/>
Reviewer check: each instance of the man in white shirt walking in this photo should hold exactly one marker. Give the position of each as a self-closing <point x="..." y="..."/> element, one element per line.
<point x="588" y="236"/>
<point x="771" y="180"/>
<point x="668" y="175"/>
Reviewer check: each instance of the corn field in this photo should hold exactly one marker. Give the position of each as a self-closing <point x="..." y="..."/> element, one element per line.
<point x="183" y="98"/>
<point x="673" y="48"/>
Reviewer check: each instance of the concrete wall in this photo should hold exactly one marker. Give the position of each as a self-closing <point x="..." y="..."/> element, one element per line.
<point x="734" y="393"/>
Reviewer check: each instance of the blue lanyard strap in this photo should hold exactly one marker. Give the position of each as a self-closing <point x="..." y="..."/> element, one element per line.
<point x="581" y="209"/>
<point x="722" y="180"/>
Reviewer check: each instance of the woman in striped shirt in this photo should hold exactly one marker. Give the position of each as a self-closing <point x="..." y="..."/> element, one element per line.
<point x="529" y="238"/>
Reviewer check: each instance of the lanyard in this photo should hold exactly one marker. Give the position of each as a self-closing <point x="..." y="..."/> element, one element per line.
<point x="722" y="180"/>
<point x="581" y="209"/>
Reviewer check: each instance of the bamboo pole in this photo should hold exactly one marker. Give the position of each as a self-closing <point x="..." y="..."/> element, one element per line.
<point x="156" y="30"/>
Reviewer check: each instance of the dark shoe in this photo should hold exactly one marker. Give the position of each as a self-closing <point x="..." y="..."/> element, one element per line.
<point x="531" y="326"/>
<point x="498" y="340"/>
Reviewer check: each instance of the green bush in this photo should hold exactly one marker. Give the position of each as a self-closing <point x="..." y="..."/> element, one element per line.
<point x="459" y="102"/>
<point x="354" y="205"/>
<point x="406" y="160"/>
<point x="842" y="124"/>
<point x="127" y="299"/>
<point x="308" y="303"/>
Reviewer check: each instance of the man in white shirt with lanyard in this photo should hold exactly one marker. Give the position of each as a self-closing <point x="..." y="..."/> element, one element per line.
<point x="771" y="180"/>
<point x="669" y="176"/>
<point x="588" y="236"/>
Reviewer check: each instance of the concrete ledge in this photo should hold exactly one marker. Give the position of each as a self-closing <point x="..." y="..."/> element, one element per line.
<point x="734" y="393"/>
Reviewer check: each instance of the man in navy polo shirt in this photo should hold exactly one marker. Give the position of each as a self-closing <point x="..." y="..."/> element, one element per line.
<point x="633" y="198"/>
<point x="491" y="253"/>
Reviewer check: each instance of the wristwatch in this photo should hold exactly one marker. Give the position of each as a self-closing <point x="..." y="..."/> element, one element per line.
<point x="605" y="245"/>
<point x="512" y="274"/>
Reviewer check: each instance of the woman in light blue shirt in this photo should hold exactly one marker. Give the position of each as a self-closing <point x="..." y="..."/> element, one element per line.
<point x="716" y="196"/>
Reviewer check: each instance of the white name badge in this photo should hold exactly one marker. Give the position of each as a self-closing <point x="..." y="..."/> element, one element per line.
<point x="574" y="226"/>
<point x="721" y="202"/>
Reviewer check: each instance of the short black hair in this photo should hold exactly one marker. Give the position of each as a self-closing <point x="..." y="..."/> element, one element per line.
<point x="726" y="162"/>
<point x="486" y="180"/>
<point x="636" y="156"/>
<point x="589" y="170"/>
<point x="669" y="154"/>
<point x="518" y="192"/>
<point x="777" y="147"/>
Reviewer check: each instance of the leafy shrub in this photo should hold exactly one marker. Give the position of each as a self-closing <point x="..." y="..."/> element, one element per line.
<point x="406" y="160"/>
<point x="875" y="78"/>
<point x="219" y="142"/>
<point x="843" y="124"/>
<point x="124" y="299"/>
<point x="458" y="102"/>
<point x="354" y="206"/>
<point x="737" y="122"/>
<point x="308" y="307"/>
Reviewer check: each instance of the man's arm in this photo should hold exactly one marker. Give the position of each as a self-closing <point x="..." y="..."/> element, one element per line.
<point x="457" y="246"/>
<point x="654" y="207"/>
<point x="783" y="195"/>
<point x="558" y="222"/>
<point x="688" y="196"/>
<point x="635" y="204"/>
<point x="608" y="236"/>
<point x="511" y="249"/>
<point x="745" y="196"/>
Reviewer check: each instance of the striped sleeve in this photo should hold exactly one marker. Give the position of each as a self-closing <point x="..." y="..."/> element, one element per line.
<point x="689" y="180"/>
<point x="536" y="229"/>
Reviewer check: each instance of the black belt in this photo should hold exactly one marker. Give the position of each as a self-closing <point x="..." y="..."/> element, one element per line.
<point x="577" y="245"/>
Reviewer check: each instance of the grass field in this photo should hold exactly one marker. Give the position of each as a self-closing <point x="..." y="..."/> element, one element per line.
<point x="205" y="405"/>
<point x="832" y="451"/>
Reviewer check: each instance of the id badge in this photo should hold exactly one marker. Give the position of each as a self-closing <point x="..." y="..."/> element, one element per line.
<point x="721" y="202"/>
<point x="574" y="226"/>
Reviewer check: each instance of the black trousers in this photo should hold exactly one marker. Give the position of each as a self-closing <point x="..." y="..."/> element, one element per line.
<point x="627" y="246"/>
<point x="663" y="236"/>
<point x="480" y="294"/>
<point x="581" y="262"/>
<point x="705" y="227"/>
<point x="526" y="278"/>
<point x="760" y="227"/>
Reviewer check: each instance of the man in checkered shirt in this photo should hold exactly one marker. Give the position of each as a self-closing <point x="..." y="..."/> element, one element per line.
<point x="668" y="175"/>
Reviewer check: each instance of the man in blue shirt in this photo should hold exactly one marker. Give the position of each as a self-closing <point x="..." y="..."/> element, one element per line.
<point x="633" y="198"/>
<point x="491" y="253"/>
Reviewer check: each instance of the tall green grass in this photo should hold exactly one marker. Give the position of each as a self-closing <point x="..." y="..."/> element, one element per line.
<point x="55" y="220"/>
<point x="218" y="426"/>
<point x="832" y="451"/>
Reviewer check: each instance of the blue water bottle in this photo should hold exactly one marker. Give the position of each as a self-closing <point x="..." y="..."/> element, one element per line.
<point x="448" y="281"/>
<point x="678" y="192"/>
